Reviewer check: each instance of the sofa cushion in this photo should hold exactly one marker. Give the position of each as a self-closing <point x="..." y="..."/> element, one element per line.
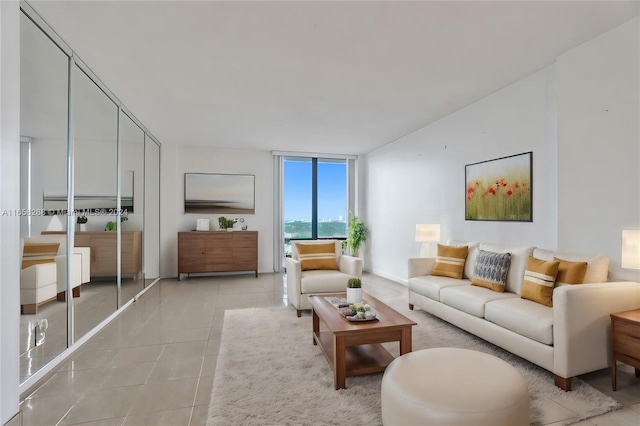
<point x="597" y="266"/>
<point x="317" y="256"/>
<point x="450" y="261"/>
<point x="472" y="253"/>
<point x="524" y="317"/>
<point x="430" y="286"/>
<point x="570" y="272"/>
<point x="471" y="299"/>
<point x="539" y="279"/>
<point x="491" y="270"/>
<point x="323" y="281"/>
<point x="519" y="258"/>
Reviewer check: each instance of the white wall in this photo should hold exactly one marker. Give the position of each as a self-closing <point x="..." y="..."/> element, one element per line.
<point x="176" y="161"/>
<point x="420" y="177"/>
<point x="9" y="199"/>
<point x="599" y="177"/>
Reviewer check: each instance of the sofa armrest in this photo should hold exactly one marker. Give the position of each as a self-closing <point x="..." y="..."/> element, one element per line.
<point x="350" y="265"/>
<point x="582" y="325"/>
<point x="421" y="266"/>
<point x="294" y="275"/>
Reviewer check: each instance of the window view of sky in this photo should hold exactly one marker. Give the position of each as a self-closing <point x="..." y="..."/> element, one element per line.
<point x="332" y="191"/>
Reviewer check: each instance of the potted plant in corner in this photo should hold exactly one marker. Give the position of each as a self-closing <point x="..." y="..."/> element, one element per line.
<point x="354" y="290"/>
<point x="82" y="223"/>
<point x="357" y="234"/>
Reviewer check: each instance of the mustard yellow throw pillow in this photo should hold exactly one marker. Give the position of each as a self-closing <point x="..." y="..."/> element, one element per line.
<point x="570" y="272"/>
<point x="450" y="261"/>
<point x="317" y="256"/>
<point x="539" y="278"/>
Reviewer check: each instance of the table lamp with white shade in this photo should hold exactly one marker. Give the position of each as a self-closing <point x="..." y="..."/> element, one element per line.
<point x="631" y="249"/>
<point x="428" y="234"/>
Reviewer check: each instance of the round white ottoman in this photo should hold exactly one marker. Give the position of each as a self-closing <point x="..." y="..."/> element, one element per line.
<point x="451" y="386"/>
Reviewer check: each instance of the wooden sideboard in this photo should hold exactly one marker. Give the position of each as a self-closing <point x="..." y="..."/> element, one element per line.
<point x="217" y="251"/>
<point x="104" y="261"/>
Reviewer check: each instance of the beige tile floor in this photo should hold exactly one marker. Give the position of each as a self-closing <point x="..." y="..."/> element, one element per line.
<point x="154" y="364"/>
<point x="97" y="301"/>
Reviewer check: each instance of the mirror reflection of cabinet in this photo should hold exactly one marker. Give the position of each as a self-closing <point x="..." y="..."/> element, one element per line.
<point x="106" y="161"/>
<point x="104" y="262"/>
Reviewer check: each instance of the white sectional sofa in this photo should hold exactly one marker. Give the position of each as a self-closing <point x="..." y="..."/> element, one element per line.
<point x="568" y="339"/>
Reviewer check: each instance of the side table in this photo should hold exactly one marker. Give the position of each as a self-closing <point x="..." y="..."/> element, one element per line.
<point x="625" y="341"/>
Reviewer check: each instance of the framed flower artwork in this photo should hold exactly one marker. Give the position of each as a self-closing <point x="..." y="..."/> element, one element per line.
<point x="500" y="189"/>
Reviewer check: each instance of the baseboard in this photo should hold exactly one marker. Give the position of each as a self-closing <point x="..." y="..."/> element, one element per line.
<point x="387" y="276"/>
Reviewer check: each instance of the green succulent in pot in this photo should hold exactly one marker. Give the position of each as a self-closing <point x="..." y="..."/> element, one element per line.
<point x="354" y="283"/>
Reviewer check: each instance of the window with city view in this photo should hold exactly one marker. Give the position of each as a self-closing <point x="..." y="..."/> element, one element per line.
<point x="315" y="199"/>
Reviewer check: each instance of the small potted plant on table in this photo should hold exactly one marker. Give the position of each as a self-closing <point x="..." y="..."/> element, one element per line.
<point x="354" y="290"/>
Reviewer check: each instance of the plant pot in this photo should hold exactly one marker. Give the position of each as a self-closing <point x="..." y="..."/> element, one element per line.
<point x="83" y="227"/>
<point x="354" y="295"/>
<point x="229" y="229"/>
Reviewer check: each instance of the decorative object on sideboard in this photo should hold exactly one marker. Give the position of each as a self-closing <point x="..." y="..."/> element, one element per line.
<point x="428" y="234"/>
<point x="202" y="224"/>
<point x="241" y="220"/>
<point x="82" y="223"/>
<point x="226" y="224"/>
<point x="631" y="249"/>
<point x="55" y="224"/>
<point x="356" y="234"/>
<point x="500" y="189"/>
<point x="354" y="290"/>
<point x="111" y="225"/>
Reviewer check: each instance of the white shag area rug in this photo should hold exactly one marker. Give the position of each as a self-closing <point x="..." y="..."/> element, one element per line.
<point x="270" y="373"/>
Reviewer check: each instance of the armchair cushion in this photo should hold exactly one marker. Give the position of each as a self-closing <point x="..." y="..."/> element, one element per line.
<point x="316" y="256"/>
<point x="322" y="281"/>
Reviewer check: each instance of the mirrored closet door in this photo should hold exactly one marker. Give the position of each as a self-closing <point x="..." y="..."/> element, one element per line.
<point x="43" y="173"/>
<point x="90" y="194"/>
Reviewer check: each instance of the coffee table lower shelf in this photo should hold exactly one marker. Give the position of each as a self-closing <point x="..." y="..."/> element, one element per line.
<point x="359" y="359"/>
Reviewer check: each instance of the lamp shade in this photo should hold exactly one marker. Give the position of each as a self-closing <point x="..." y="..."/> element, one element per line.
<point x="428" y="233"/>
<point x="631" y="249"/>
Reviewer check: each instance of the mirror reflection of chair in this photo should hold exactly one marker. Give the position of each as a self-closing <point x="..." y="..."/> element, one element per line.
<point x="39" y="275"/>
<point x="51" y="248"/>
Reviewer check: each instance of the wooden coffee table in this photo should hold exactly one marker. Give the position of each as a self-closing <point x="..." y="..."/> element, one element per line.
<point x="354" y="348"/>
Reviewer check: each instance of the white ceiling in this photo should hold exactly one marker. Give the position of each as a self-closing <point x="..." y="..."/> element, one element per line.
<point x="329" y="77"/>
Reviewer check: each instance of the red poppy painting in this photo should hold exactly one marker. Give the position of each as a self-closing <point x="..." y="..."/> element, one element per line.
<point x="499" y="189"/>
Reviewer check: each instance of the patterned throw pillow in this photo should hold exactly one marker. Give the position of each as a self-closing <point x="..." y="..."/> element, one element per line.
<point x="539" y="277"/>
<point x="450" y="261"/>
<point x="491" y="270"/>
<point x="317" y="256"/>
<point x="570" y="272"/>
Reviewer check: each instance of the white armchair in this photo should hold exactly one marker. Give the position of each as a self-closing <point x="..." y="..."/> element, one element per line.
<point x="301" y="284"/>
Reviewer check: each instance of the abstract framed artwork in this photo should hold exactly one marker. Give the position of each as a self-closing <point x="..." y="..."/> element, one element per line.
<point x="500" y="189"/>
<point x="219" y="193"/>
